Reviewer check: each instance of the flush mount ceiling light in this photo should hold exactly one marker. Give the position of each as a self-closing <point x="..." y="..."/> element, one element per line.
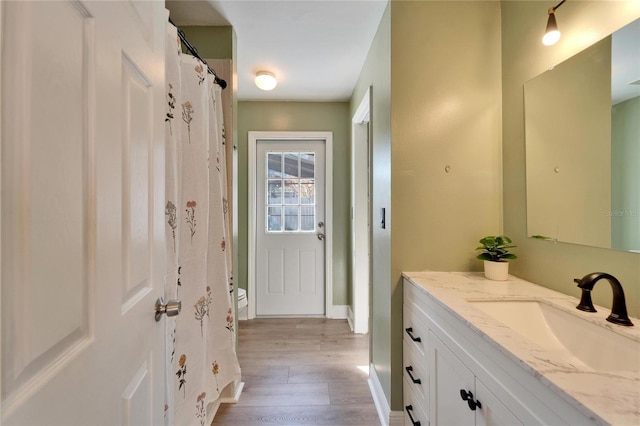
<point x="552" y="35"/>
<point x="266" y="80"/>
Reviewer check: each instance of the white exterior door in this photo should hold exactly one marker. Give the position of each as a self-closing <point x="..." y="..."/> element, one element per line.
<point x="82" y="212"/>
<point x="290" y="227"/>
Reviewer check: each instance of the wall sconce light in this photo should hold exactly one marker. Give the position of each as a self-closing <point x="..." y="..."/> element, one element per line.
<point x="266" y="80"/>
<point x="552" y="34"/>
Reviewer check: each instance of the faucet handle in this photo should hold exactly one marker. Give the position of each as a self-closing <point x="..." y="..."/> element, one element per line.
<point x="585" y="300"/>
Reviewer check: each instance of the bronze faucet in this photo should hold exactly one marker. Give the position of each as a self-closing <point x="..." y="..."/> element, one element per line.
<point x="618" y="307"/>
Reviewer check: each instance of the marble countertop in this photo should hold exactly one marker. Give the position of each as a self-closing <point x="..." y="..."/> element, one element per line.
<point x="605" y="396"/>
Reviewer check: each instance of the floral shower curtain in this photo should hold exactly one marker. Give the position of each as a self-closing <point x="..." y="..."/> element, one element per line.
<point x="201" y="340"/>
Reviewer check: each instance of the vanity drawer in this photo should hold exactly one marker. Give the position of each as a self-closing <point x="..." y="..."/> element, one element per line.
<point x="415" y="369"/>
<point x="414" y="329"/>
<point x="413" y="406"/>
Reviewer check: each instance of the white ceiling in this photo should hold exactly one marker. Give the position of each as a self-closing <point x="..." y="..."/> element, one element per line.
<point x="316" y="49"/>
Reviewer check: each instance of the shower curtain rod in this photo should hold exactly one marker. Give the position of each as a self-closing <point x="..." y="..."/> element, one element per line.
<point x="194" y="52"/>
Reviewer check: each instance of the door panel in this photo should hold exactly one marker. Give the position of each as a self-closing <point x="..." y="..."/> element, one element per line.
<point x="289" y="254"/>
<point x="137" y="398"/>
<point x="137" y="103"/>
<point x="82" y="212"/>
<point x="307" y="267"/>
<point x="275" y="271"/>
<point x="45" y="221"/>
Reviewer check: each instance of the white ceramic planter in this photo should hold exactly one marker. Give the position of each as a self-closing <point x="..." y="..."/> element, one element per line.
<point x="497" y="271"/>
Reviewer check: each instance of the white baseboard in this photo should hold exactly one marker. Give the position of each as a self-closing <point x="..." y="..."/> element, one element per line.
<point x="379" y="400"/>
<point x="243" y="314"/>
<point x="396" y="418"/>
<point x="386" y="416"/>
<point x="339" y="312"/>
<point x="350" y="318"/>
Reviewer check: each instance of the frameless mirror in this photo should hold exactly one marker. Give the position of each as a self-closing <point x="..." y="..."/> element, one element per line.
<point x="582" y="129"/>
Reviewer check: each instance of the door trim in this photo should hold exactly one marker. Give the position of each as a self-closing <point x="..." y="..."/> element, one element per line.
<point x="360" y="215"/>
<point x="327" y="137"/>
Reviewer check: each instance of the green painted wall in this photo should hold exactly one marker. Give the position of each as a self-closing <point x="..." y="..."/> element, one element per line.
<point x="523" y="57"/>
<point x="446" y="186"/>
<point x="435" y="72"/>
<point x="625" y="153"/>
<point x="211" y="42"/>
<point x="376" y="73"/>
<point x="301" y="116"/>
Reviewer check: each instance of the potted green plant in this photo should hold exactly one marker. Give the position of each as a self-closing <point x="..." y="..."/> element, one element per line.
<point x="496" y="256"/>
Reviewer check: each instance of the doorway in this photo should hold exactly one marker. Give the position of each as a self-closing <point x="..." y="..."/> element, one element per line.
<point x="360" y="216"/>
<point x="289" y="224"/>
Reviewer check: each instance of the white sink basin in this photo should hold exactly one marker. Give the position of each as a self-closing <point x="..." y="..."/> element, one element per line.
<point x="571" y="338"/>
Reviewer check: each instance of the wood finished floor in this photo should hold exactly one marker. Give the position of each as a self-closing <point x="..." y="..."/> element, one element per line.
<point x="301" y="371"/>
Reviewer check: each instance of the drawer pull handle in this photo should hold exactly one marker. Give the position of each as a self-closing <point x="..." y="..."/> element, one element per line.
<point x="410" y="333"/>
<point x="468" y="396"/>
<point x="413" y="379"/>
<point x="409" y="408"/>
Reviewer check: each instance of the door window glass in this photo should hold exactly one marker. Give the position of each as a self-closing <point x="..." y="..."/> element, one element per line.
<point x="290" y="192"/>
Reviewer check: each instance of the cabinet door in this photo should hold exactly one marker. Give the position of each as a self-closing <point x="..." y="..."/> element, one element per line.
<point x="493" y="412"/>
<point x="448" y="375"/>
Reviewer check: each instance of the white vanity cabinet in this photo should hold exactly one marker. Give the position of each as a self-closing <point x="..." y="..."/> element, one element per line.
<point x="465" y="380"/>
<point x="451" y="381"/>
<point x="434" y="378"/>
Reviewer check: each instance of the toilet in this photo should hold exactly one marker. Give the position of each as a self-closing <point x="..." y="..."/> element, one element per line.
<point x="242" y="304"/>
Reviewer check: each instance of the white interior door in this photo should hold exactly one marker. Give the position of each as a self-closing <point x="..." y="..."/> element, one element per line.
<point x="290" y="227"/>
<point x="82" y="212"/>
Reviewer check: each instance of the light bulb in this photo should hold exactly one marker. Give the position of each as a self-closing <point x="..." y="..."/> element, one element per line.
<point x="266" y="80"/>
<point x="552" y="35"/>
<point x="551" y="38"/>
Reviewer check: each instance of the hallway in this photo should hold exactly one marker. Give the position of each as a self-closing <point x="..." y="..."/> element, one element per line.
<point x="301" y="371"/>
